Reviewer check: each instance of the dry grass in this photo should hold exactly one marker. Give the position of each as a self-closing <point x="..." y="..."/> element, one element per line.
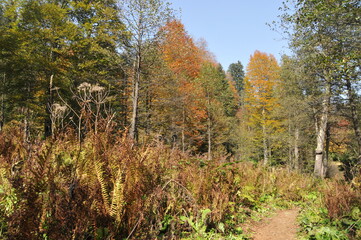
<point x="340" y="198"/>
<point x="106" y="188"/>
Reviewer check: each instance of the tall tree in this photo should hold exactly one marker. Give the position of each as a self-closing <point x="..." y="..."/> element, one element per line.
<point x="56" y="44"/>
<point x="261" y="79"/>
<point x="184" y="59"/>
<point x="97" y="51"/>
<point x="293" y="94"/>
<point x="323" y="38"/>
<point x="237" y="73"/>
<point x="143" y="19"/>
<point x="220" y="104"/>
<point x="41" y="32"/>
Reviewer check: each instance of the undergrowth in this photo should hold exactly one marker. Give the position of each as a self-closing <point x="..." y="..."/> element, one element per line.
<point x="104" y="187"/>
<point x="332" y="213"/>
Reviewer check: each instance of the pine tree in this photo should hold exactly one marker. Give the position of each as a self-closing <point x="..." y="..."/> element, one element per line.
<point x="237" y="73"/>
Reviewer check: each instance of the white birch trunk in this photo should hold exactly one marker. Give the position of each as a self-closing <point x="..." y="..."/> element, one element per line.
<point x="320" y="160"/>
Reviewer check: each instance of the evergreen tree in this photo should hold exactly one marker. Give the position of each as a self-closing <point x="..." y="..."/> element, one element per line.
<point x="237" y="73"/>
<point x="220" y="105"/>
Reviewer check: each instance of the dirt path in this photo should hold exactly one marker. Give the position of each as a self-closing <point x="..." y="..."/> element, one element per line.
<point x="282" y="226"/>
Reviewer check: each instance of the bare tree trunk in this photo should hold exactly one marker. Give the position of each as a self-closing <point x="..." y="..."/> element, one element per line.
<point x="2" y="116"/>
<point x="296" y="163"/>
<point x="354" y="116"/>
<point x="209" y="133"/>
<point x="134" y="121"/>
<point x="183" y="129"/>
<point x="327" y="149"/>
<point x="48" y="125"/>
<point x="265" y="147"/>
<point x="320" y="159"/>
<point x="148" y="107"/>
<point x="290" y="146"/>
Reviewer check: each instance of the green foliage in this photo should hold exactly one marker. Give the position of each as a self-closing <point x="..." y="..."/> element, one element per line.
<point x="316" y="219"/>
<point x="237" y="73"/>
<point x="324" y="40"/>
<point x="221" y="107"/>
<point x="8" y="201"/>
<point x="198" y="225"/>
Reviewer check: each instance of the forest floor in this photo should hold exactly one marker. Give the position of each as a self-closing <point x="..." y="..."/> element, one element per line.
<point x="281" y="226"/>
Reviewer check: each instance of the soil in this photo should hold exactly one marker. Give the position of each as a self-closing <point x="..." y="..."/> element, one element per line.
<point x="281" y="226"/>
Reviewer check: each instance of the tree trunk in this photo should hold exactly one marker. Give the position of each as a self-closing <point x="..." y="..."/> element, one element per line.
<point x="290" y="146"/>
<point x="183" y="128"/>
<point x="209" y="133"/>
<point x="148" y="107"/>
<point x="2" y="116"/>
<point x="320" y="160"/>
<point x="327" y="148"/>
<point x="265" y="147"/>
<point x="296" y="163"/>
<point x="133" y="132"/>
<point x="48" y="125"/>
<point x="354" y="116"/>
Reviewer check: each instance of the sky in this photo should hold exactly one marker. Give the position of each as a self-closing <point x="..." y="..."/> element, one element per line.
<point x="233" y="29"/>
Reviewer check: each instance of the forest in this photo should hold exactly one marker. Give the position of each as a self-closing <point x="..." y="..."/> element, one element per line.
<point x="115" y="123"/>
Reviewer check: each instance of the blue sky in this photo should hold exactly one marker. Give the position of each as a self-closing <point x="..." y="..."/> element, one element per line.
<point x="233" y="29"/>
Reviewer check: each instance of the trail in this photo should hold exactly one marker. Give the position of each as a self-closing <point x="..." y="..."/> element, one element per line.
<point x="282" y="226"/>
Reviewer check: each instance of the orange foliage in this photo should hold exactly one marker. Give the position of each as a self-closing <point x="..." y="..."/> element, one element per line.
<point x="182" y="56"/>
<point x="261" y="79"/>
<point x="179" y="51"/>
<point x="260" y="82"/>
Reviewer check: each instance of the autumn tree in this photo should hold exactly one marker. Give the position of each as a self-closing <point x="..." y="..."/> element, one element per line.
<point x="184" y="59"/>
<point x="262" y="77"/>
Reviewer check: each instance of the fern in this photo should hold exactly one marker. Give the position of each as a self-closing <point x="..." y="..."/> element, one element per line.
<point x="103" y="187"/>
<point x="118" y="198"/>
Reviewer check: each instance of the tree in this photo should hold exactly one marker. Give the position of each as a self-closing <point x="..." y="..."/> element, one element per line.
<point x="261" y="79"/>
<point x="237" y="73"/>
<point x="184" y="59"/>
<point x="323" y="39"/>
<point x="220" y="105"/>
<point x="40" y="32"/>
<point x="294" y="109"/>
<point x="143" y="19"/>
<point x="96" y="52"/>
<point x="96" y="46"/>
